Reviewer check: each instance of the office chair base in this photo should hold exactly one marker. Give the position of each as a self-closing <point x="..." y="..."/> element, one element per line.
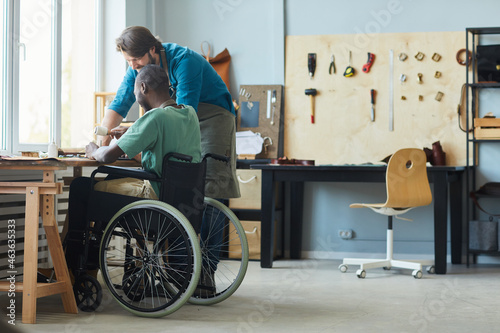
<point x="386" y="264"/>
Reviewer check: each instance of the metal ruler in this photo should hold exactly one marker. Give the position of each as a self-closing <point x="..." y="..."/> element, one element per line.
<point x="391" y="90"/>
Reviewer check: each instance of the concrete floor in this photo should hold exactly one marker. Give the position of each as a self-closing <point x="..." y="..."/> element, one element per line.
<point x="309" y="296"/>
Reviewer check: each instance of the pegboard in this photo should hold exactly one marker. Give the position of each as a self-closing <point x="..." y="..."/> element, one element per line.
<point x="343" y="131"/>
<point x="261" y="113"/>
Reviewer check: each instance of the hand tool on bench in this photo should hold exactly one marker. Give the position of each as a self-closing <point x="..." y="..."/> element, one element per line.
<point x="311" y="93"/>
<point x="372" y="97"/>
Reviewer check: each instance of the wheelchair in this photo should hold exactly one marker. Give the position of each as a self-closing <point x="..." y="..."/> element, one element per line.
<point x="156" y="255"/>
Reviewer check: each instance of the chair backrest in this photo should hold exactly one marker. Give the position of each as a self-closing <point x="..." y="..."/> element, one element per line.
<point x="406" y="179"/>
<point x="183" y="186"/>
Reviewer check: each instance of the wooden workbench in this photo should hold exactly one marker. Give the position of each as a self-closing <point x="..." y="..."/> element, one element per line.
<point x="40" y="201"/>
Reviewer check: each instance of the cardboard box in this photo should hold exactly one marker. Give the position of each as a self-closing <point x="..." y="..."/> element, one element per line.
<point x="250" y="187"/>
<point x="487" y="128"/>
<point x="252" y="232"/>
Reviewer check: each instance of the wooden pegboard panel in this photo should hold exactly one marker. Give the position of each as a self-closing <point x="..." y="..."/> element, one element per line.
<point x="269" y="125"/>
<point x="343" y="132"/>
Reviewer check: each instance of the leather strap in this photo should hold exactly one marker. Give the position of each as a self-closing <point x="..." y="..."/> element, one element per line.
<point x="468" y="57"/>
<point x="462" y="110"/>
<point x="476" y="202"/>
<point x="163" y="59"/>
<point x="207" y="55"/>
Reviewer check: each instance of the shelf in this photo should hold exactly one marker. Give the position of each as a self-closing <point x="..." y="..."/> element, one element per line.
<point x="484" y="31"/>
<point x="484" y="140"/>
<point x="484" y="252"/>
<point x="492" y="196"/>
<point x="484" y="85"/>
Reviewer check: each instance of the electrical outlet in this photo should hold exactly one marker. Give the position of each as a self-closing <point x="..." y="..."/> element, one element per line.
<point x="345" y="233"/>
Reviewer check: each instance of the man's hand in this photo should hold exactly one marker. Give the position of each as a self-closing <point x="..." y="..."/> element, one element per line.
<point x="111" y="120"/>
<point x="90" y="149"/>
<point x="104" y="154"/>
<point x="118" y="131"/>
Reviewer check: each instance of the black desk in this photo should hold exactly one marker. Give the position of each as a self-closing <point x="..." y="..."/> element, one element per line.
<point x="446" y="179"/>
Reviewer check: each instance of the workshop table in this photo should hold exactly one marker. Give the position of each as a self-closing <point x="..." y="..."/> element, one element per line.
<point x="446" y="179"/>
<point x="40" y="201"/>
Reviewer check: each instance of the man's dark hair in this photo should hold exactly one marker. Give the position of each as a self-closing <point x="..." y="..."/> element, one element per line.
<point x="154" y="77"/>
<point x="137" y="41"/>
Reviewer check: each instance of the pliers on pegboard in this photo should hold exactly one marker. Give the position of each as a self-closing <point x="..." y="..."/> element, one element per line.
<point x="332" y="65"/>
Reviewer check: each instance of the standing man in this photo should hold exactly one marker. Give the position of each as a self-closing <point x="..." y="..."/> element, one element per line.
<point x="193" y="82"/>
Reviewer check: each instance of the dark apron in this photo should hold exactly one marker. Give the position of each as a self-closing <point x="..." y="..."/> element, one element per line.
<point x="218" y="136"/>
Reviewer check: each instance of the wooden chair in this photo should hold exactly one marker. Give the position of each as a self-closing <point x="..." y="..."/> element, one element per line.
<point x="407" y="187"/>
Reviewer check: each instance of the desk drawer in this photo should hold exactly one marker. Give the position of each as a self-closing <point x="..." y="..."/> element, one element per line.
<point x="250" y="187"/>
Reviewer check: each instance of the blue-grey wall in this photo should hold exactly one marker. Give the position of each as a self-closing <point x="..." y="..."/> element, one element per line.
<point x="254" y="32"/>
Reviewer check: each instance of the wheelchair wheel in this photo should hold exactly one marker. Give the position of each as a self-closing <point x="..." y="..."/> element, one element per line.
<point x="150" y="258"/>
<point x="224" y="251"/>
<point x="88" y="293"/>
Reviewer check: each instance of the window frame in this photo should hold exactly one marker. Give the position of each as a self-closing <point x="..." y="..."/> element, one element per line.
<point x="9" y="138"/>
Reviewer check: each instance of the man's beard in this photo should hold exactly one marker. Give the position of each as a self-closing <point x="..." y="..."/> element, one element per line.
<point x="151" y="61"/>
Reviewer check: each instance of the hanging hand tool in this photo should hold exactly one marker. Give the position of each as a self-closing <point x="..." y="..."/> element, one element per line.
<point x="372" y="97"/>
<point x="311" y="93"/>
<point x="311" y="63"/>
<point x="391" y="90"/>
<point x="369" y="62"/>
<point x="349" y="71"/>
<point x="332" y="65"/>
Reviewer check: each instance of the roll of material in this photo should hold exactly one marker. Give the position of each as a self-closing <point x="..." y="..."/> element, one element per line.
<point x="53" y="151"/>
<point x="100" y="130"/>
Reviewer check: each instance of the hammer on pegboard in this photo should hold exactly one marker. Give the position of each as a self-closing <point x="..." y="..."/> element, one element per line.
<point x="311" y="93"/>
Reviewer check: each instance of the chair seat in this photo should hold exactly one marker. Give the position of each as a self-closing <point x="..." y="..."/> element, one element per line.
<point x="382" y="209"/>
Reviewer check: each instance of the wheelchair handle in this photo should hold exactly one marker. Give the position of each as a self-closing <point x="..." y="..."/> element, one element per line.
<point x="217" y="157"/>
<point x="182" y="157"/>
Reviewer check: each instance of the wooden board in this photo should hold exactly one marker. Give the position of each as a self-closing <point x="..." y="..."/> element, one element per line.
<point x="343" y="132"/>
<point x="253" y="99"/>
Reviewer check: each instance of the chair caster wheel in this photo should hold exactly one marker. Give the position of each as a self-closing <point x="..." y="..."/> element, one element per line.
<point x="343" y="268"/>
<point x="431" y="269"/>
<point x="361" y="273"/>
<point x="387" y="268"/>
<point x="417" y="274"/>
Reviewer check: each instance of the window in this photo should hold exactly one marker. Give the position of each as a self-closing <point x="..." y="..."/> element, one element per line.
<point x="3" y="136"/>
<point x="52" y="72"/>
<point x="78" y="73"/>
<point x="34" y="83"/>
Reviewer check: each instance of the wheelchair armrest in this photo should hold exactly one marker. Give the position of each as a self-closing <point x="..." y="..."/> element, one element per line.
<point x="126" y="172"/>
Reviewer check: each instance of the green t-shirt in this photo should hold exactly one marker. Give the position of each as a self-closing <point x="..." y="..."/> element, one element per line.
<point x="161" y="131"/>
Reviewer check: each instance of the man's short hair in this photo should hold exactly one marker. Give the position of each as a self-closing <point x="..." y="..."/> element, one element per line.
<point x="154" y="77"/>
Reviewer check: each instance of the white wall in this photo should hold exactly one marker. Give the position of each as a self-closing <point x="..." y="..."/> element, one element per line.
<point x="254" y="32"/>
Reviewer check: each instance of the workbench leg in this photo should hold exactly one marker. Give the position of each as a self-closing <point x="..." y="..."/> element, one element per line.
<point x="57" y="254"/>
<point x="267" y="223"/>
<point x="30" y="255"/>
<point x="440" y="222"/>
<point x="296" y="212"/>
<point x="456" y="220"/>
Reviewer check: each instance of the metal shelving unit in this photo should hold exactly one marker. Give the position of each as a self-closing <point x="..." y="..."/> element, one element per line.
<point x="473" y="111"/>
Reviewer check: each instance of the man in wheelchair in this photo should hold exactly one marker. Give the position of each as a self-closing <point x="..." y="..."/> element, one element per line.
<point x="166" y="127"/>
